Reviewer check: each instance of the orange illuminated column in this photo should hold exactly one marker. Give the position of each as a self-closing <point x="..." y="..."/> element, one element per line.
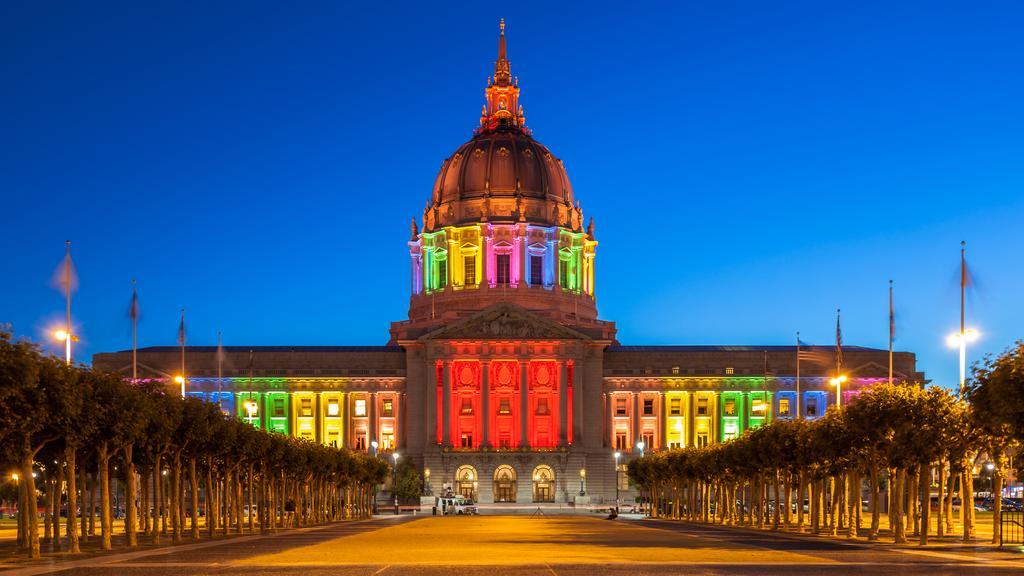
<point x="543" y="403"/>
<point x="440" y="400"/>
<point x="569" y="366"/>
<point x="466" y="419"/>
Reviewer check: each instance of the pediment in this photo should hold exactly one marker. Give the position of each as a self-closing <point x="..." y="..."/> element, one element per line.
<point x="876" y="370"/>
<point x="505" y="321"/>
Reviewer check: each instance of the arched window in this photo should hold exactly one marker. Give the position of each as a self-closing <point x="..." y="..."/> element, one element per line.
<point x="543" y="484"/>
<point x="466" y="482"/>
<point x="504" y="484"/>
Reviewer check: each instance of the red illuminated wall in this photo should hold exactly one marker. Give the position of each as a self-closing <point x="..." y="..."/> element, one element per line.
<point x="543" y="403"/>
<point x="466" y="408"/>
<point x="503" y="381"/>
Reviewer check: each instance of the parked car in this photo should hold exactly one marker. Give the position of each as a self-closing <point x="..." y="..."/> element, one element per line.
<point x="456" y="505"/>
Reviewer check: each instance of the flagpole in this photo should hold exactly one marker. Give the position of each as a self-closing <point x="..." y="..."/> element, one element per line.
<point x="135" y="332"/>
<point x="892" y="328"/>
<point x="68" y="298"/>
<point x="963" y="335"/>
<point x="799" y="410"/>
<point x="220" y="362"/>
<point x="182" y="338"/>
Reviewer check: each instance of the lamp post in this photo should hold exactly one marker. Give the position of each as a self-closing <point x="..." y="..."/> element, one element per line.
<point x="838" y="383"/>
<point x="583" y="479"/>
<point x="617" y="456"/>
<point x="180" y="380"/>
<point x="960" y="339"/>
<point x="66" y="337"/>
<point x="373" y="446"/>
<point x="640" y="447"/>
<point x="394" y="480"/>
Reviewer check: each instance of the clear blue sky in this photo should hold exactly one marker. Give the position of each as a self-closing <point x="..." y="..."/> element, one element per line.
<point x="750" y="166"/>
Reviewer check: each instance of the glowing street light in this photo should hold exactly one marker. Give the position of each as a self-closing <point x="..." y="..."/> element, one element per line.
<point x="617" y="456"/>
<point x="838" y="383"/>
<point x="66" y="337"/>
<point x="180" y="380"/>
<point x="640" y="447"/>
<point x="394" y="480"/>
<point x="960" y="339"/>
<point x="374" y="446"/>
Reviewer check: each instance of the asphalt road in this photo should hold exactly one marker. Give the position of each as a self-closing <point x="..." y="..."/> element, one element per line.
<point x="514" y="546"/>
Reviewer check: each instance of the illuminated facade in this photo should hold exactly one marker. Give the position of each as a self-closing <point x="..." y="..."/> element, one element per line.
<point x="503" y="384"/>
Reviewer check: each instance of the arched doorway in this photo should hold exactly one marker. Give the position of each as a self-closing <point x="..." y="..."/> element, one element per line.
<point x="543" y="484"/>
<point x="466" y="482"/>
<point x="505" y="484"/>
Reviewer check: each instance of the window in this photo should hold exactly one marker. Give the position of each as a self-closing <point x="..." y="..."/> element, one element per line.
<point x="467" y="439"/>
<point x="387" y="407"/>
<point x="467" y="406"/>
<point x="757" y="408"/>
<point x="563" y="273"/>
<point x="675" y="407"/>
<point x="504" y="440"/>
<point x="702" y="439"/>
<point x="730" y="429"/>
<point x="536" y="270"/>
<point x="675" y="369"/>
<point x="442" y="273"/>
<point x="783" y="406"/>
<point x="360" y="407"/>
<point x="278" y="407"/>
<point x="333" y="409"/>
<point x="360" y="441"/>
<point x="504" y="406"/>
<point x="306" y="407"/>
<point x="702" y="406"/>
<point x="621" y="443"/>
<point x="648" y="439"/>
<point x="542" y="407"/>
<point x="730" y="407"/>
<point x="620" y="406"/>
<point x="811" y="404"/>
<point x="387" y="441"/>
<point x="504" y="268"/>
<point x="469" y="265"/>
<point x="648" y="407"/>
<point x="730" y="371"/>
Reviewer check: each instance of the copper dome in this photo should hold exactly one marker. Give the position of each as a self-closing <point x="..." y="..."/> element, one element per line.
<point x="506" y="168"/>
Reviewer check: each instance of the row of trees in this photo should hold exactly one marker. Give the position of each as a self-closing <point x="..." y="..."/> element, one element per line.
<point x="75" y="429"/>
<point x="904" y="439"/>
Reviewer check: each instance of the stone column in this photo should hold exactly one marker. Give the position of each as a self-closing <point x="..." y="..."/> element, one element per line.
<point x="664" y="420"/>
<point x="690" y="422"/>
<point x="373" y="420"/>
<point x="745" y="414"/>
<point x="523" y="405"/>
<point x="485" y="388"/>
<point x="446" y="405"/>
<point x="716" y="414"/>
<point x="636" y="420"/>
<point x="609" y="421"/>
<point x="563" y="405"/>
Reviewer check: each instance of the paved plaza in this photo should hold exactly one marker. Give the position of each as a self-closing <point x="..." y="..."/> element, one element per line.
<point x="565" y="545"/>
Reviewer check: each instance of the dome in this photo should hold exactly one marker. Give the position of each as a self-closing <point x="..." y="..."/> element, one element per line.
<point x="502" y="175"/>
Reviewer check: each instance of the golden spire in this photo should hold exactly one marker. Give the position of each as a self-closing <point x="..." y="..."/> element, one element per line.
<point x="502" y="69"/>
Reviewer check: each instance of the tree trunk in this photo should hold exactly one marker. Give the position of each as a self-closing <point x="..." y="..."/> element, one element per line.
<point x="69" y="457"/>
<point x="84" y="481"/>
<point x="997" y="502"/>
<point x="93" y="481"/>
<point x="30" y="509"/>
<point x="129" y="498"/>
<point x="924" y="495"/>
<point x="896" y="513"/>
<point x="177" y="506"/>
<point x="106" y="523"/>
<point x="194" y="487"/>
<point x="940" y="521"/>
<point x="157" y="499"/>
<point x="967" y="502"/>
<point x="58" y="491"/>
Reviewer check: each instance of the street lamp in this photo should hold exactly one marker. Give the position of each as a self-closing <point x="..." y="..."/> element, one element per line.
<point x="374" y="445"/>
<point x="640" y="447"/>
<point x="960" y="339"/>
<point x="617" y="456"/>
<point x="66" y="337"/>
<point x="838" y="383"/>
<point x="394" y="479"/>
<point x="180" y="380"/>
<point x="583" y="479"/>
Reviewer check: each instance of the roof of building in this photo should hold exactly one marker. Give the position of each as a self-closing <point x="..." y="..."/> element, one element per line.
<point x="242" y="349"/>
<point x="727" y="348"/>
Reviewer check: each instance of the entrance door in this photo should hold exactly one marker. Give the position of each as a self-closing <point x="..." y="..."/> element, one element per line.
<point x="543" y="484"/>
<point x="505" y="484"/>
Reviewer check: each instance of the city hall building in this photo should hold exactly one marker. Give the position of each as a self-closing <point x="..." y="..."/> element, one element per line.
<point x="503" y="384"/>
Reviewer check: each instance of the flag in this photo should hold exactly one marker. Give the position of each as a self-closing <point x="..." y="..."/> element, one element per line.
<point x="133" y="308"/>
<point x="892" y="316"/>
<point x="839" y="343"/>
<point x="65" y="278"/>
<point x="181" y="328"/>
<point x="819" y="357"/>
